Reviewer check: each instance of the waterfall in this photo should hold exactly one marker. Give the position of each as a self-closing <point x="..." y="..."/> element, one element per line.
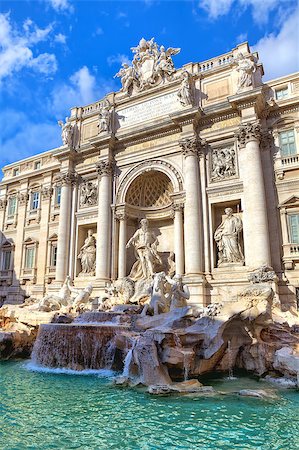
<point x="230" y="362"/>
<point x="77" y="346"/>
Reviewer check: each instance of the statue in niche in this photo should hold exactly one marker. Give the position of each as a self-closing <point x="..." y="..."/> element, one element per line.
<point x="88" y="194"/>
<point x="179" y="292"/>
<point x="227" y="237"/>
<point x="246" y="68"/>
<point x="184" y="93"/>
<point x="87" y="255"/>
<point x="127" y="76"/>
<point x="66" y="132"/>
<point x="105" y="114"/>
<point x="145" y="245"/>
<point x="223" y="163"/>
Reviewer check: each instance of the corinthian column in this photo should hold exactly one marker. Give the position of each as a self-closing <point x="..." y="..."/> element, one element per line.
<point x="105" y="170"/>
<point x="255" y="221"/>
<point x="192" y="219"/>
<point x="66" y="180"/>
<point x="178" y="238"/>
<point x="122" y="240"/>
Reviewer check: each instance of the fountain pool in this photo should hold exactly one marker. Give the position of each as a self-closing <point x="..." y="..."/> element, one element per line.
<point x="59" y="410"/>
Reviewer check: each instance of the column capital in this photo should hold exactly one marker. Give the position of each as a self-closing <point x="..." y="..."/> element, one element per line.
<point x="121" y="215"/>
<point x="3" y="203"/>
<point x="105" y="167"/>
<point x="66" y="179"/>
<point x="176" y="207"/>
<point x="192" y="146"/>
<point x="22" y="198"/>
<point x="46" y="192"/>
<point x="248" y="132"/>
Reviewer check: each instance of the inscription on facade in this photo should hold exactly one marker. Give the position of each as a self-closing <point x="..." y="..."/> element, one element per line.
<point x="150" y="109"/>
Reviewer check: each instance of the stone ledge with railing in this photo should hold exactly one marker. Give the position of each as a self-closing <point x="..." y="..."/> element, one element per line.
<point x="28" y="275"/>
<point x="290" y="255"/>
<point x="6" y="276"/>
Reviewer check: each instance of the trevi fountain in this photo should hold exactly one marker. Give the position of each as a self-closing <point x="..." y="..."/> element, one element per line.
<point x="146" y="359"/>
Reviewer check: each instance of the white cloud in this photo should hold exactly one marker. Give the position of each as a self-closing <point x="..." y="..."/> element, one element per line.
<point x="260" y="8"/>
<point x="16" y="48"/>
<point x="280" y="52"/>
<point x="99" y="31"/>
<point x="119" y="59"/>
<point x="60" y="38"/>
<point x="61" y="5"/>
<point x="22" y="137"/>
<point x="81" y="89"/>
<point x="241" y="38"/>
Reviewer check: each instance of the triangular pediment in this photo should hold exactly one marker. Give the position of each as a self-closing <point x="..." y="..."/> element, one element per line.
<point x="291" y="201"/>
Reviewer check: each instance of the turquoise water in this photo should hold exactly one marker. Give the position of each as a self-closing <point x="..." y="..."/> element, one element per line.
<point x="44" y="410"/>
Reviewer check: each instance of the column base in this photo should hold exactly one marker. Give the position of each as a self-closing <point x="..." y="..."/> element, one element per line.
<point x="197" y="287"/>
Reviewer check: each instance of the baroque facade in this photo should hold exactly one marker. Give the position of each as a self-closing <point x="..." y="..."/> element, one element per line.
<point x="207" y="153"/>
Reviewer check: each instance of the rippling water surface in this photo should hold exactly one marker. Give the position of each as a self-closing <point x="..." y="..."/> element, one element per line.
<point x="46" y="410"/>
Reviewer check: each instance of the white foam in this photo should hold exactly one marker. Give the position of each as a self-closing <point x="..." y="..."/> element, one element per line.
<point x="104" y="373"/>
<point x="282" y="381"/>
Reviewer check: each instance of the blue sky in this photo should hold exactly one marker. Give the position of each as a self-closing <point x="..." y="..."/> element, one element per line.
<point x="55" y="54"/>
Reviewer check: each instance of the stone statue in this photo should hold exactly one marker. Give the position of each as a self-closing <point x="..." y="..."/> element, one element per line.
<point x="145" y="244"/>
<point x="184" y="93"/>
<point x="159" y="302"/>
<point x="54" y="302"/>
<point x="227" y="239"/>
<point x="105" y="115"/>
<point x="179" y="292"/>
<point x="66" y="132"/>
<point x="88" y="255"/>
<point x="127" y="76"/>
<point x="150" y="66"/>
<point x="88" y="194"/>
<point x="171" y="264"/>
<point x="246" y="68"/>
<point x="223" y="163"/>
<point x="82" y="296"/>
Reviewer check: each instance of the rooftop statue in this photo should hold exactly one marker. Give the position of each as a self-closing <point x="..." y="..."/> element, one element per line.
<point x="151" y="66"/>
<point x="246" y="67"/>
<point x="67" y="132"/>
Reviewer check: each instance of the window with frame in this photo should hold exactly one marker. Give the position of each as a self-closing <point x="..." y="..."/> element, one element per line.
<point x="29" y="257"/>
<point x="35" y="200"/>
<point x="282" y="93"/>
<point x="12" y="206"/>
<point x="53" y="256"/>
<point x="16" y="172"/>
<point x="6" y="259"/>
<point x="294" y="228"/>
<point x="37" y="165"/>
<point x="58" y="195"/>
<point x="287" y="143"/>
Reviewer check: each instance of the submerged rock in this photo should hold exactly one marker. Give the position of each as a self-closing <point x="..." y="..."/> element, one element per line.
<point x="184" y="387"/>
<point x="259" y="393"/>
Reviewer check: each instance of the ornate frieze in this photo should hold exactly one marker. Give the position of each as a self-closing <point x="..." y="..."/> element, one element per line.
<point x="105" y="168"/>
<point x="88" y="194"/>
<point x="223" y="163"/>
<point x="248" y="132"/>
<point x="191" y="146"/>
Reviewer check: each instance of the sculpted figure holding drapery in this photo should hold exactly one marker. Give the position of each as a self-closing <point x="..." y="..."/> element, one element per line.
<point x="145" y="245"/>
<point x="227" y="237"/>
<point x="87" y="254"/>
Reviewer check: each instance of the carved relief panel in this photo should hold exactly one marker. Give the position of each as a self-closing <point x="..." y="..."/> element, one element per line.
<point x="223" y="163"/>
<point x="88" y="194"/>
